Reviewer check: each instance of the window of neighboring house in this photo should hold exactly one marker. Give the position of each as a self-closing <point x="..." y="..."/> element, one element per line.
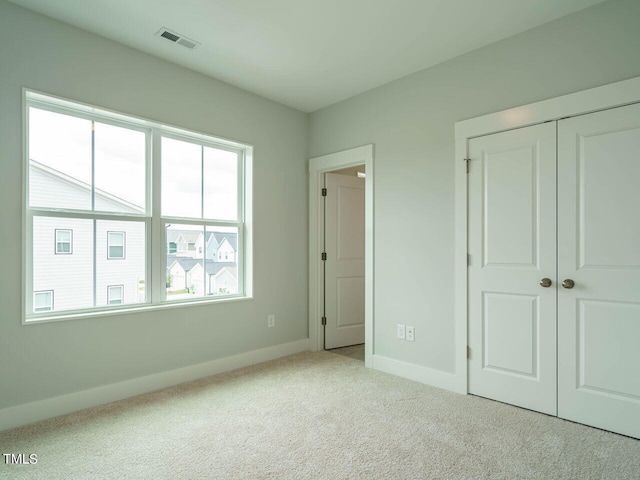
<point x="115" y="294"/>
<point x="64" y="241"/>
<point x="43" y="301"/>
<point x="115" y="245"/>
<point x="89" y="180"/>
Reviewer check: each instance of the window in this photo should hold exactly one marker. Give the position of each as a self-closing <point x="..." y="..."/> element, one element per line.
<point x="115" y="294"/>
<point x="201" y="205"/>
<point x="64" y="241"/>
<point x="89" y="187"/>
<point x="43" y="301"/>
<point x="115" y="245"/>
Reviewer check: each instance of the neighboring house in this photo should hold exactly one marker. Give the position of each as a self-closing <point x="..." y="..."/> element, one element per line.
<point x="221" y="246"/>
<point x="63" y="276"/>
<point x="186" y="262"/>
<point x="63" y="273"/>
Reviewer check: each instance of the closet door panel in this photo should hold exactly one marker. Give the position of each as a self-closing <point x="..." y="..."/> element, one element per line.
<point x="512" y="243"/>
<point x="599" y="250"/>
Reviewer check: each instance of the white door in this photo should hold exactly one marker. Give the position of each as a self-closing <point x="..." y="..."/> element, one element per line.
<point x="512" y="247"/>
<point x="344" y="266"/>
<point x="599" y="250"/>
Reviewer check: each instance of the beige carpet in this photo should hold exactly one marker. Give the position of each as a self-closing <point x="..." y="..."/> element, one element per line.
<point x="353" y="351"/>
<point x="315" y="415"/>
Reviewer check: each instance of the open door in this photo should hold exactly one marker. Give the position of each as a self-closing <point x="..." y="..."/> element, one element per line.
<point x="344" y="264"/>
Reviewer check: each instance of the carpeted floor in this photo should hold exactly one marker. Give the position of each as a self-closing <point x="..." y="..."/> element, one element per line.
<point x="315" y="415"/>
<point x="353" y="351"/>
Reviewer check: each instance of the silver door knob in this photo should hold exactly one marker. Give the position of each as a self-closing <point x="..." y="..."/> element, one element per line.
<point x="545" y="282"/>
<point x="568" y="283"/>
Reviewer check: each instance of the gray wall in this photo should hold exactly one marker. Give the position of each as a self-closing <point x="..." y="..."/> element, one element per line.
<point x="45" y="360"/>
<point x="411" y="122"/>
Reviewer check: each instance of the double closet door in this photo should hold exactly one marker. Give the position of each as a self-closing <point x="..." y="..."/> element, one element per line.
<point x="554" y="273"/>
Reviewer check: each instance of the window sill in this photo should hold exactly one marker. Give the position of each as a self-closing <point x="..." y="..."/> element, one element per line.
<point x="131" y="309"/>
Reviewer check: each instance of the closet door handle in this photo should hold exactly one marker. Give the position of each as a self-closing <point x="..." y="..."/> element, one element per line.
<point x="568" y="283"/>
<point x="545" y="282"/>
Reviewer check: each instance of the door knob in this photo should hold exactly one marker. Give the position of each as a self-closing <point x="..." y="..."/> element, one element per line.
<point x="545" y="282"/>
<point x="568" y="283"/>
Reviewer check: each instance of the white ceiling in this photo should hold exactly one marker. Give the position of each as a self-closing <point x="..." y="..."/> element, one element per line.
<point x="308" y="53"/>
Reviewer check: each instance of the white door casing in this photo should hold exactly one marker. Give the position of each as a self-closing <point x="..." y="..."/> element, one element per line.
<point x="344" y="266"/>
<point x="599" y="249"/>
<point x="512" y="247"/>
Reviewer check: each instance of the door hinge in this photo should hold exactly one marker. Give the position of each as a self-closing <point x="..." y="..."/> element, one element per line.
<point x="324" y="192"/>
<point x="324" y="255"/>
<point x="324" y="320"/>
<point x="467" y="160"/>
<point x="468" y="351"/>
<point x="468" y="259"/>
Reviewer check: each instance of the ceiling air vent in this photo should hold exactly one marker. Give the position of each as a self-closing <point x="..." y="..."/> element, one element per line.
<point x="177" y="38"/>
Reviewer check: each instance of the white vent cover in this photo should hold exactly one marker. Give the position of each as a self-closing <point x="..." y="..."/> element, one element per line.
<point x="177" y="38"/>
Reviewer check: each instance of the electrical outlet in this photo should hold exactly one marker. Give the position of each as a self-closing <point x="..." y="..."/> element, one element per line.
<point x="271" y="320"/>
<point x="410" y="334"/>
<point x="400" y="332"/>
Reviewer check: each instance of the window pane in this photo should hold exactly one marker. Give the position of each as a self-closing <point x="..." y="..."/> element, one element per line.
<point x="221" y="261"/>
<point x="63" y="241"/>
<point x="185" y="267"/>
<point x="69" y="276"/>
<point x="114" y="295"/>
<point x="42" y="301"/>
<point x="60" y="160"/>
<point x="116" y="245"/>
<point x="220" y="184"/>
<point x="64" y="235"/>
<point x="181" y="179"/>
<point x="129" y="270"/>
<point x="119" y="169"/>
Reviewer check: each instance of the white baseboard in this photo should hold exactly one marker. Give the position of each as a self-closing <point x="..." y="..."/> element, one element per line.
<point x="429" y="376"/>
<point x="11" y="417"/>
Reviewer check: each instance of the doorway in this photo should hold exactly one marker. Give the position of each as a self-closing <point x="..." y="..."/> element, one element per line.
<point x="340" y="167"/>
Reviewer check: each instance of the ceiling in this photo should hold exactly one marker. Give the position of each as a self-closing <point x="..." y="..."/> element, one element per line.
<point x="308" y="54"/>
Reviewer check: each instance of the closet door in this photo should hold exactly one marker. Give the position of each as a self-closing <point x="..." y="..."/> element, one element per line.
<point x="512" y="247"/>
<point x="599" y="251"/>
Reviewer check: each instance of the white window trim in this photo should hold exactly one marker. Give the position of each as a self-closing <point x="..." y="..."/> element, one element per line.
<point x="57" y="242"/>
<point x="154" y="223"/>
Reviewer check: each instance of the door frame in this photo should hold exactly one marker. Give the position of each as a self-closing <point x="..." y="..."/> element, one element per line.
<point x="318" y="166"/>
<point x="579" y="103"/>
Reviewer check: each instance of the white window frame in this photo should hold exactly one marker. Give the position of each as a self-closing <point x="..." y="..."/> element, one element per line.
<point x="155" y="224"/>
<point x="60" y="242"/>
<point x="110" y="244"/>
<point x="110" y="298"/>
<point x="43" y="309"/>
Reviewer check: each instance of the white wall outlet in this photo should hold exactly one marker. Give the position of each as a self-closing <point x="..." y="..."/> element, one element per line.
<point x="400" y="332"/>
<point x="271" y="320"/>
<point x="411" y="334"/>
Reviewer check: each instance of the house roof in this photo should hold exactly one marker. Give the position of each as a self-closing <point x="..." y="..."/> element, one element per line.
<point x="232" y="238"/>
<point x="68" y="179"/>
<point x="188" y="263"/>
<point x="192" y="235"/>
<point x="189" y="236"/>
